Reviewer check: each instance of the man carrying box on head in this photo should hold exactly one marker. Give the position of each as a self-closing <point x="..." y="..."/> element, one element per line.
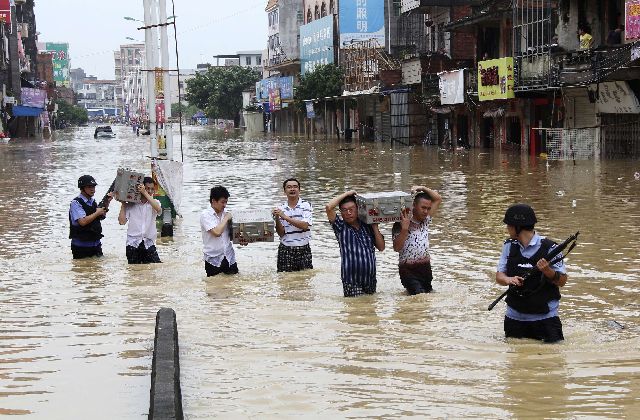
<point x="219" y="255"/>
<point x="293" y="222"/>
<point x="411" y="241"/>
<point x="142" y="231"/>
<point x="357" y="241"/>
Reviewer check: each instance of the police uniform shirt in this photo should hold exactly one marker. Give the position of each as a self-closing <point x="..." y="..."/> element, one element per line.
<point x="528" y="252"/>
<point x="77" y="212"/>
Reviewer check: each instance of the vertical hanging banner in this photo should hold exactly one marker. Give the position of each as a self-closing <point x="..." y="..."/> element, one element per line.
<point x="361" y="20"/>
<point x="160" y="111"/>
<point x="275" y="103"/>
<point x="632" y="20"/>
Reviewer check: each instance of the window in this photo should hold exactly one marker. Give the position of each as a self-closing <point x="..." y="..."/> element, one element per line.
<point x="258" y="60"/>
<point x="323" y="10"/>
<point x="247" y="60"/>
<point x="309" y="15"/>
<point x="332" y="7"/>
<point x="317" y="12"/>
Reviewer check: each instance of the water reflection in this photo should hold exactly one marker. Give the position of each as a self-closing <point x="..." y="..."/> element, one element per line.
<point x="288" y="345"/>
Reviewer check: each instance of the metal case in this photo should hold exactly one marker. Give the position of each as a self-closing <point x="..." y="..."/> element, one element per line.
<point x="126" y="185"/>
<point x="382" y="207"/>
<point x="249" y="226"/>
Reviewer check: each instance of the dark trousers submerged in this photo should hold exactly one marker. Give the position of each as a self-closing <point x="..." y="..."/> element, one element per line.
<point x="294" y="258"/>
<point x="416" y="277"/>
<point x="80" y="252"/>
<point x="225" y="268"/>
<point x="142" y="255"/>
<point x="548" y="330"/>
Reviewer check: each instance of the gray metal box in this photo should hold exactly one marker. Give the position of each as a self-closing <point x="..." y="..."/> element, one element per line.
<point x="249" y="226"/>
<point x="126" y="185"/>
<point x="382" y="207"/>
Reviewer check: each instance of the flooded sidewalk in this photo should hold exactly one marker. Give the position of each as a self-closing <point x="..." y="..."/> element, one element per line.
<point x="77" y="336"/>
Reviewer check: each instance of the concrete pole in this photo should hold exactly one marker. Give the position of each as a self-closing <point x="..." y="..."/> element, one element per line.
<point x="150" y="45"/>
<point x="164" y="50"/>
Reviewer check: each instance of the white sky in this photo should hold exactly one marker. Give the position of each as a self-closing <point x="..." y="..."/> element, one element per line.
<point x="96" y="28"/>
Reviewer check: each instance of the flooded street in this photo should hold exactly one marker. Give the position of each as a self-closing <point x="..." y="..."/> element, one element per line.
<point x="76" y="337"/>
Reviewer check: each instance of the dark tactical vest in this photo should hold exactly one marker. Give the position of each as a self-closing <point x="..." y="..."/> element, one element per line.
<point x="90" y="232"/>
<point x="532" y="297"/>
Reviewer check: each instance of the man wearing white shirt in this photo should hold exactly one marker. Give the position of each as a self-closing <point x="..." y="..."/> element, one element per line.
<point x="219" y="256"/>
<point x="293" y="224"/>
<point x="142" y="231"/>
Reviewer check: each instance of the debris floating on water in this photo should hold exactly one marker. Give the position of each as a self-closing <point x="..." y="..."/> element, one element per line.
<point x="637" y="176"/>
<point x="573" y="203"/>
<point x="615" y="324"/>
<point x="560" y="193"/>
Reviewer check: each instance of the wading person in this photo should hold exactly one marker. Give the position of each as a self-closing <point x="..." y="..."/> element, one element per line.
<point x="532" y="306"/>
<point x="293" y="222"/>
<point x="219" y="255"/>
<point x="85" y="228"/>
<point x="142" y="231"/>
<point x="411" y="241"/>
<point x="358" y="242"/>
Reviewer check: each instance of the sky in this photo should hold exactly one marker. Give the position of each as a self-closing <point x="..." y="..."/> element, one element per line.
<point x="95" y="29"/>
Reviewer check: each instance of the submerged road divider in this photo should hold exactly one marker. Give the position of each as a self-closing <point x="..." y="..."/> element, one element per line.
<point x="166" y="395"/>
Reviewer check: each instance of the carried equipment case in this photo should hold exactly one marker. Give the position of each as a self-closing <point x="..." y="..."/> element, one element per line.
<point x="248" y="226"/>
<point x="382" y="207"/>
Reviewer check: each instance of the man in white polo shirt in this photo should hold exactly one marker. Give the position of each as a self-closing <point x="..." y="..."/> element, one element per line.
<point x="219" y="255"/>
<point x="142" y="231"/>
<point x="293" y="224"/>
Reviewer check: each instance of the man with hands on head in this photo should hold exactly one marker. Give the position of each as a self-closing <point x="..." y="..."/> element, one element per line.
<point x="293" y="222"/>
<point x="142" y="231"/>
<point x="411" y="241"/>
<point x="358" y="242"/>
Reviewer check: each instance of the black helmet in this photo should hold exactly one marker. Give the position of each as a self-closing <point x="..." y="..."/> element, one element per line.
<point x="520" y="215"/>
<point x="86" y="181"/>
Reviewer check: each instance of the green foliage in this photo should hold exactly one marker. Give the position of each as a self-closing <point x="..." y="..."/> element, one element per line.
<point x="326" y="80"/>
<point x="71" y="114"/>
<point x="218" y="91"/>
<point x="188" y="111"/>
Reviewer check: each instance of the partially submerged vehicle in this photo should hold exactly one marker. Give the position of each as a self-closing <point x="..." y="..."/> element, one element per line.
<point x="104" y="131"/>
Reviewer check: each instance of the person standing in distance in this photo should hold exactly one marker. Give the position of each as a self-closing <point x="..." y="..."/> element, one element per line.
<point x="411" y="241"/>
<point x="532" y="305"/>
<point x="142" y="231"/>
<point x="219" y="255"/>
<point x="293" y="222"/>
<point x="358" y="242"/>
<point x="85" y="228"/>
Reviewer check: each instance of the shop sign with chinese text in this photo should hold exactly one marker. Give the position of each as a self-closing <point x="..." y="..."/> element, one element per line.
<point x="495" y="79"/>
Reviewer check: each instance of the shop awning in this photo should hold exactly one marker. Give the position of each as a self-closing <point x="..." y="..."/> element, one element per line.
<point x="26" y="111"/>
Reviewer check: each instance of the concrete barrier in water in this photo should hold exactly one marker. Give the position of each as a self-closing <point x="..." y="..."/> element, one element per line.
<point x="166" y="395"/>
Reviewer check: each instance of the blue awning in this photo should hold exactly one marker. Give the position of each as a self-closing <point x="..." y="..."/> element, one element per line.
<point x="26" y="111"/>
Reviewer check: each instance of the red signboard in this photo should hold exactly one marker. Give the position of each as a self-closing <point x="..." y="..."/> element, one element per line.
<point x="5" y="11"/>
<point x="160" y="114"/>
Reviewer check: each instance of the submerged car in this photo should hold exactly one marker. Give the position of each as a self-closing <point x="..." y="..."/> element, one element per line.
<point x="104" y="131"/>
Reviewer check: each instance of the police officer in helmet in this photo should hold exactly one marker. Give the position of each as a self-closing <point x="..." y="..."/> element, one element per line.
<point x="532" y="305"/>
<point x="85" y="230"/>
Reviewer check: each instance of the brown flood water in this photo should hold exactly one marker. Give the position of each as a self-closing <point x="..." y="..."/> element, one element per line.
<point x="76" y="337"/>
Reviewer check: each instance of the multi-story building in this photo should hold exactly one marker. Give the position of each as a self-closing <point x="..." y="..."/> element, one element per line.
<point x="534" y="87"/>
<point x="99" y="97"/>
<point x="129" y="65"/>
<point x="249" y="59"/>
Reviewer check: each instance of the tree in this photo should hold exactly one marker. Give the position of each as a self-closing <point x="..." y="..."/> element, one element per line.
<point x="70" y="114"/>
<point x="218" y="91"/>
<point x="326" y="80"/>
<point x="188" y="111"/>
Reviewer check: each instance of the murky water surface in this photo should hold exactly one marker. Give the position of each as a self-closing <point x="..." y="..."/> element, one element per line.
<point x="76" y="337"/>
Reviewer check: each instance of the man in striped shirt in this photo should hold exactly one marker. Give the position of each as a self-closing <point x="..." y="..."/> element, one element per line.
<point x="293" y="222"/>
<point x="357" y="241"/>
